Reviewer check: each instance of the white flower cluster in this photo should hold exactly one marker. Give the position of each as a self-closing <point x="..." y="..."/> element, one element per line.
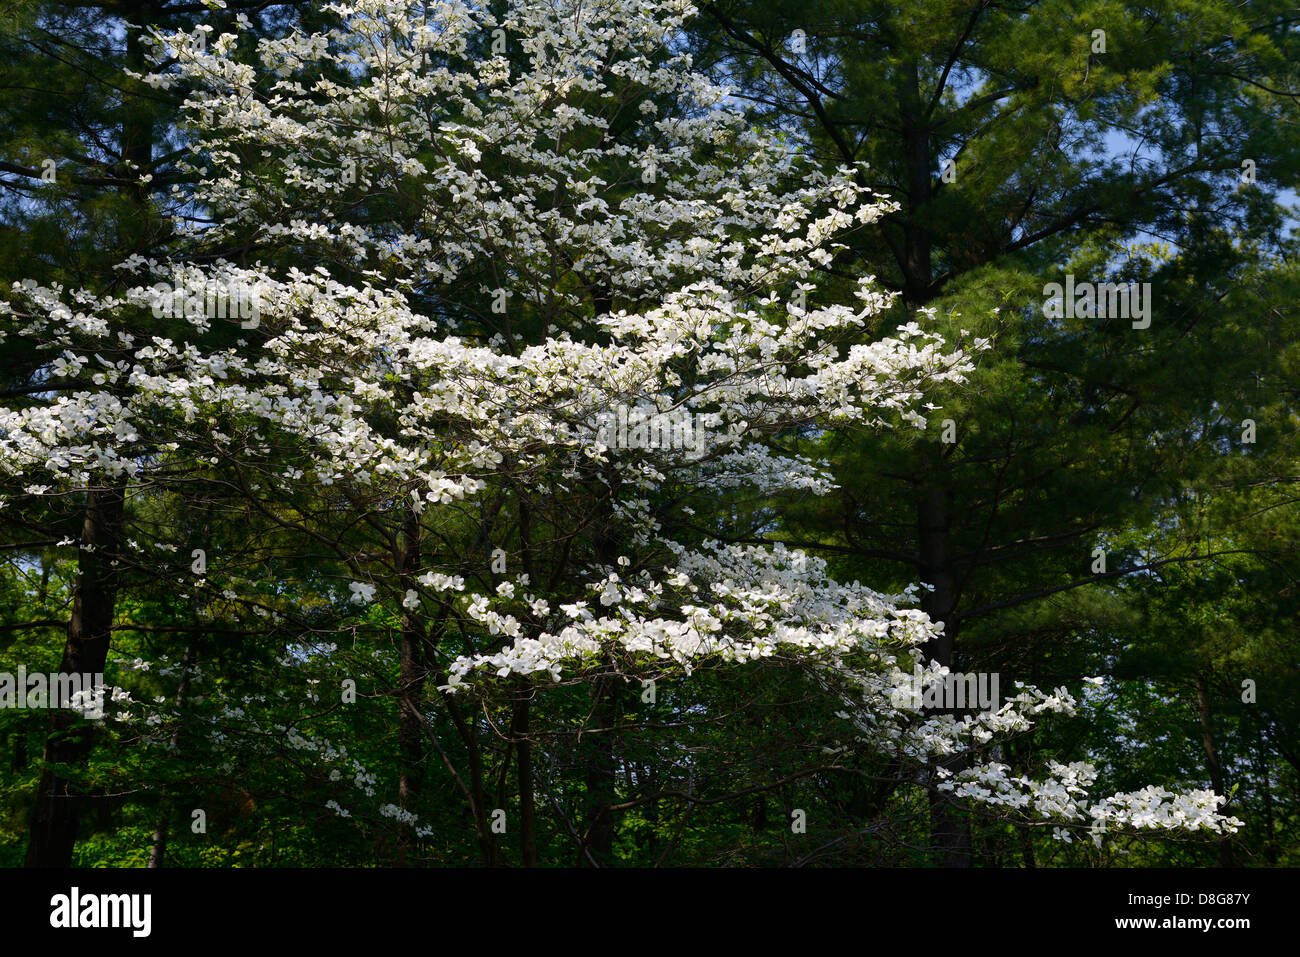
<point x="729" y="603"/>
<point x="1061" y="794"/>
<point x="409" y="818"/>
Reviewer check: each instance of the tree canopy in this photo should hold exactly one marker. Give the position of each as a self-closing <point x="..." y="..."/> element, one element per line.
<point x="607" y="433"/>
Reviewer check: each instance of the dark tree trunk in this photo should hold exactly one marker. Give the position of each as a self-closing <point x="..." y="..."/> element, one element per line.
<point x="59" y="800"/>
<point x="413" y="670"/>
<point x="917" y="264"/>
<point x="1266" y="792"/>
<point x="487" y="842"/>
<point x="158" y="848"/>
<point x="601" y="776"/>
<point x="413" y="673"/>
<point x="949" y="828"/>
<point x="524" y="771"/>
<point x="1226" y="856"/>
<point x="934" y="534"/>
<point x="949" y="831"/>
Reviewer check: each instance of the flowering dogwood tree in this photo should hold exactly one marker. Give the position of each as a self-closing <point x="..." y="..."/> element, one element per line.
<point x="472" y="245"/>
